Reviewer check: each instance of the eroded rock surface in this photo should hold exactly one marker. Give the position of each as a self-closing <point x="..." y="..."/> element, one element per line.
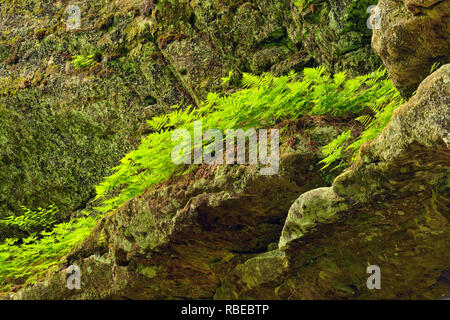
<point x="391" y="209"/>
<point x="412" y="36"/>
<point x="200" y="236"/>
<point x="180" y="239"/>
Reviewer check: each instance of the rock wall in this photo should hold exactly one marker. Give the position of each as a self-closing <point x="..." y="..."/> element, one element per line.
<point x="216" y="233"/>
<point x="222" y="232"/>
<point x="412" y="36"/>
<point x="61" y="128"/>
<point x="180" y="239"/>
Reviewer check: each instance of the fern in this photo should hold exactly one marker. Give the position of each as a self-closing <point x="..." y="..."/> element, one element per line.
<point x="375" y="126"/>
<point x="83" y="62"/>
<point x="25" y="260"/>
<point x="382" y="109"/>
<point x="334" y="151"/>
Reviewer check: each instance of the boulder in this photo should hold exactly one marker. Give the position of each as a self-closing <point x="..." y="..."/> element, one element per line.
<point x="412" y="36"/>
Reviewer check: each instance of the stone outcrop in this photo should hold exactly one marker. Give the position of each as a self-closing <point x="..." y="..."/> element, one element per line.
<point x="226" y="232"/>
<point x="412" y="36"/>
<point x="335" y="33"/>
<point x="62" y="129"/>
<point x="180" y="239"/>
<point x="214" y="233"/>
<point x="390" y="209"/>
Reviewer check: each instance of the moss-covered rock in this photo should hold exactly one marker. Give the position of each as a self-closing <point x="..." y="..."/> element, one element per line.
<point x="335" y="34"/>
<point x="62" y="128"/>
<point x="181" y="238"/>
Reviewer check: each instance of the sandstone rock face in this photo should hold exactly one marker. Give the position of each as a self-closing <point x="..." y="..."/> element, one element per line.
<point x="62" y="129"/>
<point x="412" y="36"/>
<point x="180" y="239"/>
<point x="390" y="209"/>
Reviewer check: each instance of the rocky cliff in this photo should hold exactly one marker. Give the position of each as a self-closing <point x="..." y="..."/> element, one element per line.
<point x="225" y="231"/>
<point x="62" y="127"/>
<point x="215" y="234"/>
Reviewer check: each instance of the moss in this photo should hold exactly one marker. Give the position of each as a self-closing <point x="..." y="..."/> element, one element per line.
<point x="40" y="34"/>
<point x="106" y="22"/>
<point x="316" y="12"/>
